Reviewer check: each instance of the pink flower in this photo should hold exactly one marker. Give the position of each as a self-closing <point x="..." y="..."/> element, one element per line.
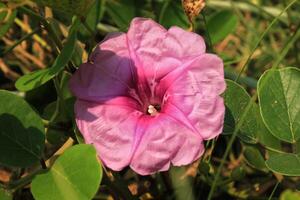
<point x="149" y="98"/>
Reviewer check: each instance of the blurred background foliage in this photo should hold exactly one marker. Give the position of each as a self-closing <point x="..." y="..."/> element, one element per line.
<point x="45" y="37"/>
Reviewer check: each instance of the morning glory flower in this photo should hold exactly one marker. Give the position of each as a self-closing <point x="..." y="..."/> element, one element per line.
<point x="149" y="98"/>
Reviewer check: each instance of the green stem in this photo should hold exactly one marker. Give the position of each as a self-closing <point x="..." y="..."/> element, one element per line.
<point x="288" y="45"/>
<point x="273" y="191"/>
<point x="262" y="37"/>
<point x="15" y="185"/>
<point x="36" y="30"/>
<point x="229" y="144"/>
<point x="243" y="117"/>
<point x="245" y="6"/>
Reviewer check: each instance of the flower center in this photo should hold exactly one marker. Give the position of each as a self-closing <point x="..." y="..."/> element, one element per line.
<point x="153" y="110"/>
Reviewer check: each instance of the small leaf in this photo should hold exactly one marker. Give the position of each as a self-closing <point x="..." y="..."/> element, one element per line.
<point x="221" y="24"/>
<point x="254" y="158"/>
<point x="236" y="99"/>
<point x="92" y="19"/>
<point x="290" y="195"/>
<point x="284" y="163"/>
<point x="279" y="97"/>
<point x="38" y="78"/>
<point x="75" y="175"/>
<point x="121" y="12"/>
<point x="21" y="132"/>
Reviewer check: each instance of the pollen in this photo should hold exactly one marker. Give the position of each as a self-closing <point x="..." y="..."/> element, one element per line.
<point x="152" y="110"/>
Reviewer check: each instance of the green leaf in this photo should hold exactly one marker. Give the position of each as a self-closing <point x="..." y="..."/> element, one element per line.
<point x="121" y="12"/>
<point x="279" y="97"/>
<point x="38" y="78"/>
<point x="92" y="19"/>
<point x="236" y="99"/>
<point x="21" y="132"/>
<point x="76" y="7"/>
<point x="5" y="195"/>
<point x="6" y="19"/>
<point x="75" y="175"/>
<point x="254" y="158"/>
<point x="172" y="14"/>
<point x="284" y="163"/>
<point x="290" y="195"/>
<point x="266" y="138"/>
<point x="221" y="24"/>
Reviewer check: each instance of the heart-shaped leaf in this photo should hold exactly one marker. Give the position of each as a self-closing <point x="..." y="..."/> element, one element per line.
<point x="279" y="97"/>
<point x="75" y="175"/>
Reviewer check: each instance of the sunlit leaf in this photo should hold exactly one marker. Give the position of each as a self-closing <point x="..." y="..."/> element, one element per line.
<point x="290" y="195"/>
<point x="75" y="175"/>
<point x="40" y="77"/>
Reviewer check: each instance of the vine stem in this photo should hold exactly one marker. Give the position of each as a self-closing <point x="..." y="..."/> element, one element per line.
<point x="273" y="191"/>
<point x="249" y="105"/>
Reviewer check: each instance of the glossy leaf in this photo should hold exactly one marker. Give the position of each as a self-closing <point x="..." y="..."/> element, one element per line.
<point x="285" y="163"/>
<point x="236" y="99"/>
<point x="40" y="77"/>
<point x="21" y="132"/>
<point x="279" y="97"/>
<point x="221" y="24"/>
<point x="75" y="175"/>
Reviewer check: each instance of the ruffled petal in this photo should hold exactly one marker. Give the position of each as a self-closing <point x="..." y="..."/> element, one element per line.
<point x="109" y="73"/>
<point x="156" y="51"/>
<point x="110" y="127"/>
<point x="164" y="140"/>
<point x="192" y="95"/>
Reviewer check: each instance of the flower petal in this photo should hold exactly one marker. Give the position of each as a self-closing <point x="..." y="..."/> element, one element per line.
<point x="109" y="74"/>
<point x="156" y="51"/>
<point x="110" y="127"/>
<point x="164" y="140"/>
<point x="192" y="95"/>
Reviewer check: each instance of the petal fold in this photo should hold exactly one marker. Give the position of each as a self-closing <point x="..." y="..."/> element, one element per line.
<point x="110" y="127"/>
<point x="164" y="140"/>
<point x="109" y="73"/>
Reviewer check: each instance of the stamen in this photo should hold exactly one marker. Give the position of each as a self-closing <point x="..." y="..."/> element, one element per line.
<point x="152" y="110"/>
